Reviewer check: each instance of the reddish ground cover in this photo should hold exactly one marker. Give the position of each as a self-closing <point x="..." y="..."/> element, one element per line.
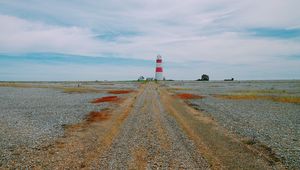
<point x="95" y="116"/>
<point x="189" y="96"/>
<point x="120" y="91"/>
<point x="106" y="99"/>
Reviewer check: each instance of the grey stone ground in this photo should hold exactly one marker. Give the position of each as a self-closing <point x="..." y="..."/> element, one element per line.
<point x="275" y="124"/>
<point x="30" y="117"/>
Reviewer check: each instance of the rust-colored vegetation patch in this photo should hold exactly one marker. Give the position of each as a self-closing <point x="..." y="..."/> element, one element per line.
<point x="284" y="99"/>
<point x="189" y="96"/>
<point x="120" y="91"/>
<point x="97" y="116"/>
<point x="106" y="99"/>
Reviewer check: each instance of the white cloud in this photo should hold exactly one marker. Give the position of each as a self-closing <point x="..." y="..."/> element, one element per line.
<point x="191" y="30"/>
<point x="19" y="35"/>
<point x="268" y="13"/>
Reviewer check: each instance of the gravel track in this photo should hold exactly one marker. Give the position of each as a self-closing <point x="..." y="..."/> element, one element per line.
<point x="275" y="124"/>
<point x="150" y="138"/>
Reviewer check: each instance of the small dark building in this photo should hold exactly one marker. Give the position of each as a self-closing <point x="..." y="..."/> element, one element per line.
<point x="232" y="79"/>
<point x="204" y="77"/>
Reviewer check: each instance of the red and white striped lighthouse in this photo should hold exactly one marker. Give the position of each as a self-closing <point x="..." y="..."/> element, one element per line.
<point x="159" y="69"/>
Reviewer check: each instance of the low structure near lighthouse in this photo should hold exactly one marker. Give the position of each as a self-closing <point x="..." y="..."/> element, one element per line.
<point x="159" y="69"/>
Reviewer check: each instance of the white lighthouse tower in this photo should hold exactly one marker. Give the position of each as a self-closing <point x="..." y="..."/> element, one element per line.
<point x="159" y="69"/>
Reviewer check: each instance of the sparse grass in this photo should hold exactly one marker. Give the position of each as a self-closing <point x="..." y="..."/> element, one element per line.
<point x="284" y="99"/>
<point x="106" y="84"/>
<point x="240" y="96"/>
<point x="23" y="85"/>
<point x="287" y="99"/>
<point x="265" y="94"/>
<point x="120" y="91"/>
<point x="80" y="90"/>
<point x="264" y="91"/>
<point x="178" y="88"/>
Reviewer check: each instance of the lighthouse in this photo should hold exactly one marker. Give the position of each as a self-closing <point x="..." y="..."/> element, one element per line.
<point x="159" y="69"/>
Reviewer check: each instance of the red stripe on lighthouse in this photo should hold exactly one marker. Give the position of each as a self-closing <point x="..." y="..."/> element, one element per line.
<point x="158" y="61"/>
<point x="159" y="69"/>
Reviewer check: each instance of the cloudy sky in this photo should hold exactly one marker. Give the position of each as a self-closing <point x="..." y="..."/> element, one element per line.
<point x="119" y="39"/>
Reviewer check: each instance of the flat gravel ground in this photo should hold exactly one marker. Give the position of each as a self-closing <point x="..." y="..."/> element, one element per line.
<point x="151" y="138"/>
<point x="148" y="128"/>
<point x="32" y="116"/>
<point x="275" y="124"/>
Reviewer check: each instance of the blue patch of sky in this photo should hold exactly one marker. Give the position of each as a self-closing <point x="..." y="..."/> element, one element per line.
<point x="55" y="58"/>
<point x="11" y="60"/>
<point x="275" y="33"/>
<point x="51" y="13"/>
<point x="293" y="57"/>
<point x="114" y="35"/>
<point x="29" y="14"/>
